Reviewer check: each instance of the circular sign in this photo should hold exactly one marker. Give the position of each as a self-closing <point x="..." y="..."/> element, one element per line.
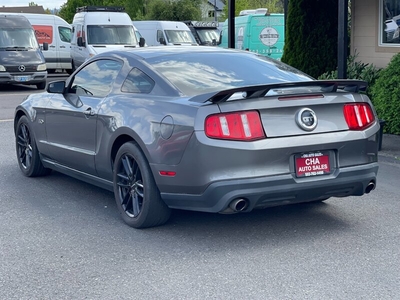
<point x="269" y="36"/>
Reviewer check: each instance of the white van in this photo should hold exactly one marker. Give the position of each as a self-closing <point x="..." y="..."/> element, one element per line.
<point x="158" y="33"/>
<point x="97" y="29"/>
<point x="56" y="32"/>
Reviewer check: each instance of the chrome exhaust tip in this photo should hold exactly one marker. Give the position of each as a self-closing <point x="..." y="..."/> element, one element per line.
<point x="239" y="204"/>
<point x="370" y="187"/>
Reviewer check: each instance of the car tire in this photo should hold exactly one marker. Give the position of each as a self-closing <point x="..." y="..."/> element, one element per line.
<point x="136" y="193"/>
<point x="41" y="86"/>
<point x="27" y="152"/>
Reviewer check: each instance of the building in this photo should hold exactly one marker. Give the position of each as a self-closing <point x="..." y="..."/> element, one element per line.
<point x="211" y="10"/>
<point x="375" y="30"/>
<point x="23" y="9"/>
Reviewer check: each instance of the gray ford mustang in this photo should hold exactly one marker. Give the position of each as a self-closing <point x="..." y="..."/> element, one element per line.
<point x="200" y="128"/>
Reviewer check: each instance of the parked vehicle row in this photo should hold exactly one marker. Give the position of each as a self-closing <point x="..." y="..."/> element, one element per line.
<point x="97" y="29"/>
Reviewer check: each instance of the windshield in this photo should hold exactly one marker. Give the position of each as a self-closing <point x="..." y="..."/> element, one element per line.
<point x="111" y="35"/>
<point x="194" y="73"/>
<point x="207" y="36"/>
<point x="18" y="38"/>
<point x="179" y="36"/>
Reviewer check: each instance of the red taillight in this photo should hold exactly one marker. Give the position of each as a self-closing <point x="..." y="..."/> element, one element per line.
<point x="358" y="115"/>
<point x="239" y="126"/>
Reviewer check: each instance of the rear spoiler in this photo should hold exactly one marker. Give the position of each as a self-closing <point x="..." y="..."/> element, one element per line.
<point x="256" y="91"/>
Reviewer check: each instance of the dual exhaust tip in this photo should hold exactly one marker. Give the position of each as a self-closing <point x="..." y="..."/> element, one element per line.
<point x="241" y="204"/>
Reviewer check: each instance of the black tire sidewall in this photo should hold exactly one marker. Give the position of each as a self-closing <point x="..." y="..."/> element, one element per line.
<point x="35" y="163"/>
<point x="152" y="202"/>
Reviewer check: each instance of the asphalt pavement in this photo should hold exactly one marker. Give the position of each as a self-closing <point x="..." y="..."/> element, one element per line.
<point x="390" y="147"/>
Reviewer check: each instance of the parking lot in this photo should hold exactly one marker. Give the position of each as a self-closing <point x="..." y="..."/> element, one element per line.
<point x="64" y="239"/>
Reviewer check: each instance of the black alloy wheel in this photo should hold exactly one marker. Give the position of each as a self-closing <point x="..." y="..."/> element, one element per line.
<point x="27" y="152"/>
<point x="131" y="190"/>
<point x="136" y="193"/>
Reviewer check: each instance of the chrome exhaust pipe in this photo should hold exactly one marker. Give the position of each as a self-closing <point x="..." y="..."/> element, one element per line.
<point x="370" y="187"/>
<point x="239" y="204"/>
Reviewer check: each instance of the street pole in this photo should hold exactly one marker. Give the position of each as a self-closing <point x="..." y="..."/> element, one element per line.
<point x="231" y="23"/>
<point x="342" y="38"/>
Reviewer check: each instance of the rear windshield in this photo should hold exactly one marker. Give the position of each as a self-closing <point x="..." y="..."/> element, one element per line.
<point x="197" y="73"/>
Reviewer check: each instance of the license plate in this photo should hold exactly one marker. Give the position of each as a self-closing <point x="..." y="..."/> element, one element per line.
<point x="312" y="164"/>
<point x="22" y="78"/>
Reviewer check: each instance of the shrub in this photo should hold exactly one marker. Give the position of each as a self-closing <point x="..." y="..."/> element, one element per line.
<point x="385" y="95"/>
<point x="311" y="33"/>
<point x="357" y="70"/>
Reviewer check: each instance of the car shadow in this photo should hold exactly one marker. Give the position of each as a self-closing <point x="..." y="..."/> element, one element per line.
<point x="293" y="223"/>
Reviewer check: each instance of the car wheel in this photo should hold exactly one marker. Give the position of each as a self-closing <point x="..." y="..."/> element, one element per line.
<point x="136" y="194"/>
<point x="27" y="153"/>
<point x="41" y="86"/>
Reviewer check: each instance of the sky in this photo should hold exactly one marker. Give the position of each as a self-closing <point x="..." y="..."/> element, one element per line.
<point x="45" y="3"/>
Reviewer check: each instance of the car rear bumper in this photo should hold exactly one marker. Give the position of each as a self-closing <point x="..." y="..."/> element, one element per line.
<point x="267" y="191"/>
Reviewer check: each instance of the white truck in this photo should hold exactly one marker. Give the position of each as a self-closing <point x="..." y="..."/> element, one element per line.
<point x="97" y="29"/>
<point x="157" y="33"/>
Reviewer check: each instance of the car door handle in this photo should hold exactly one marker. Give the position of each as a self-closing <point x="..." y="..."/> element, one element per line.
<point x="52" y="46"/>
<point x="62" y="47"/>
<point x="89" y="112"/>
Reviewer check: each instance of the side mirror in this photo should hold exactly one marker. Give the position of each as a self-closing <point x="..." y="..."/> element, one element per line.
<point x="142" y="41"/>
<point x="56" y="87"/>
<point x="162" y="41"/>
<point x="80" y="42"/>
<point x="214" y="42"/>
<point x="45" y="46"/>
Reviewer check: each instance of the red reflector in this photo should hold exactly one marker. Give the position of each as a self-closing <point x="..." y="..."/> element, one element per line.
<point x="238" y="126"/>
<point x="358" y="115"/>
<point x="167" y="173"/>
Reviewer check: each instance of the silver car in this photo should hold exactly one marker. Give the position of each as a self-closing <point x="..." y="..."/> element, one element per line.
<point x="200" y="128"/>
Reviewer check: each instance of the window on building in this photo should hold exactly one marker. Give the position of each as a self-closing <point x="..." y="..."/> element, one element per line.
<point x="389" y="11"/>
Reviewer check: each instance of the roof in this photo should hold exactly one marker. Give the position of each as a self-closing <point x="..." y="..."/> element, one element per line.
<point x="218" y="3"/>
<point x="23" y="9"/>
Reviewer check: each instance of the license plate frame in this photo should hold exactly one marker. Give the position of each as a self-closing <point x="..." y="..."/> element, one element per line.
<point x="311" y="164"/>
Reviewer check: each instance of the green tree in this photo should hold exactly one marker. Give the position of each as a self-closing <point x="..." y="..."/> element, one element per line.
<point x="179" y="10"/>
<point x="132" y="7"/>
<point x="311" y="36"/>
<point x="32" y="4"/>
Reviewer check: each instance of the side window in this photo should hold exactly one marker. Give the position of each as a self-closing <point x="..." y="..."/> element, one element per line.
<point x="137" y="82"/>
<point x="65" y="34"/>
<point x="96" y="79"/>
<point x="159" y="35"/>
